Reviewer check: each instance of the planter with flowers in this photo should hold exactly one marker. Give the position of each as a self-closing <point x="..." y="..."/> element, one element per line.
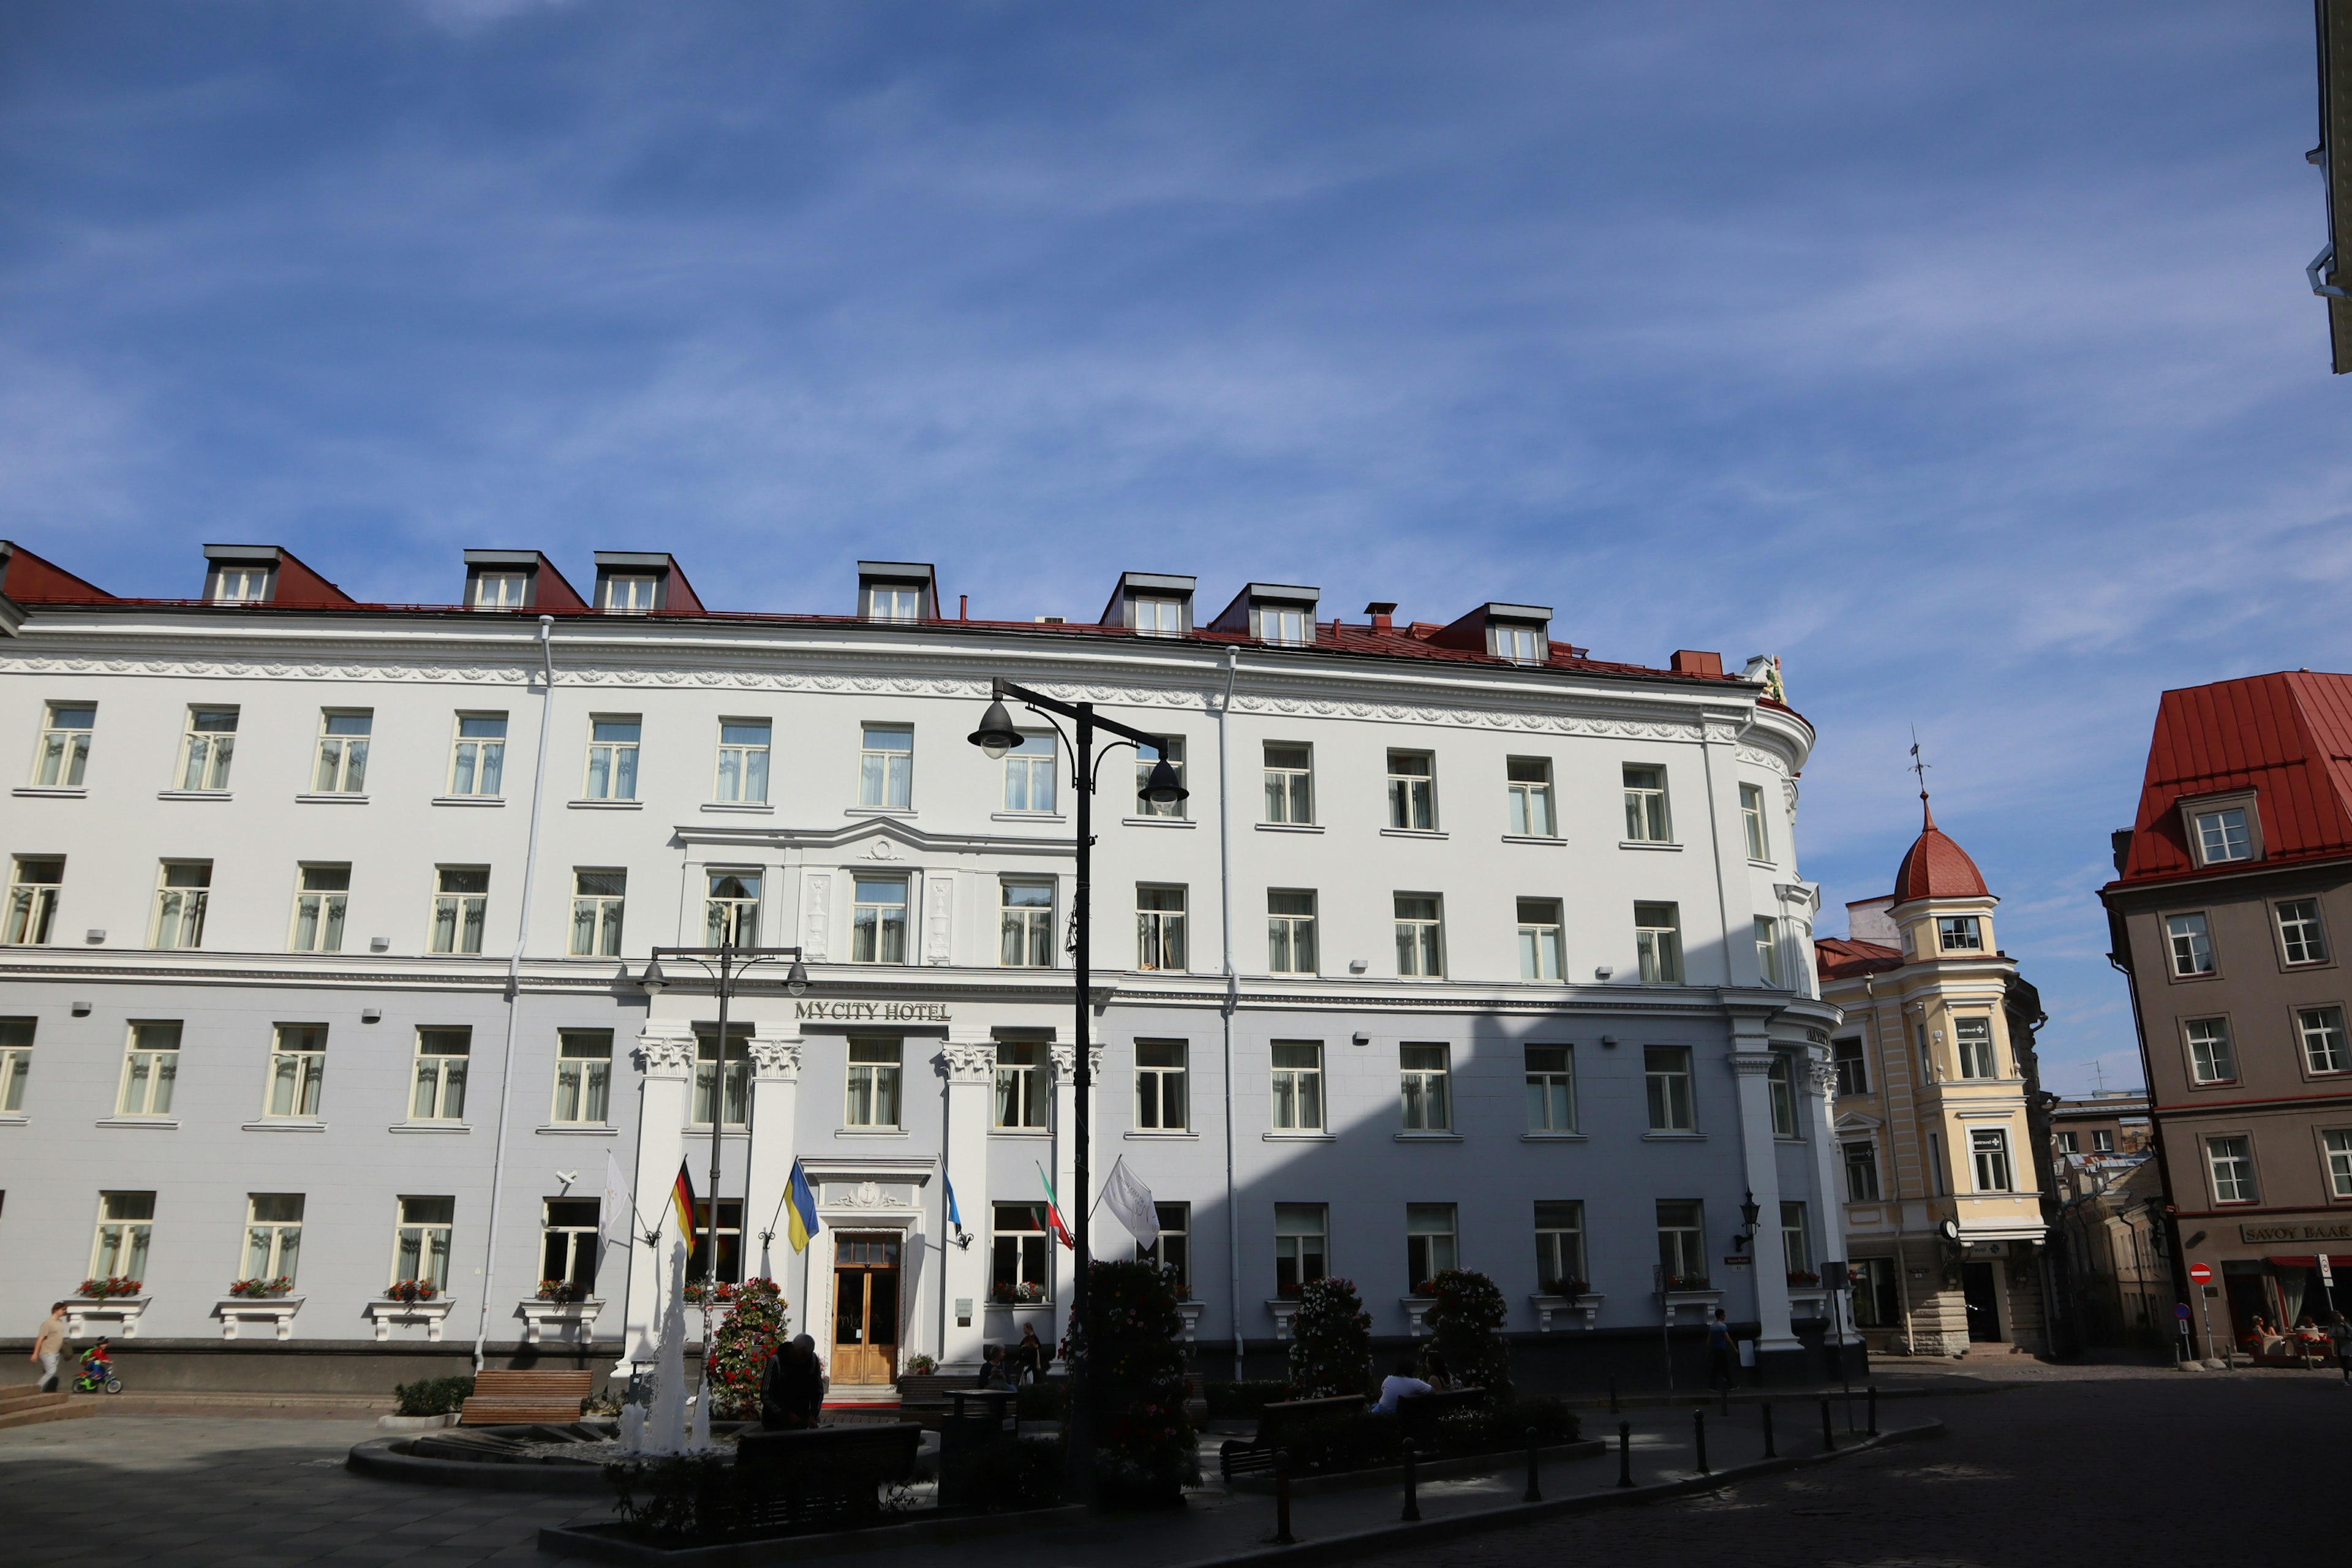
<point x="259" y="1300"/>
<point x="418" y="1303"/>
<point x="1573" y="1300"/>
<point x="566" y="1308"/>
<point x="1808" y="1297"/>
<point x="113" y="1301"/>
<point x="1134" y="1373"/>
<point x="921" y="1365"/>
<point x="1676" y="1291"/>
<point x="1027" y="1293"/>
<point x="703" y="1293"/>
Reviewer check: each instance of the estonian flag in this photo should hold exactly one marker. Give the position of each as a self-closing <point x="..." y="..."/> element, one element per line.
<point x="802" y="1201"/>
<point x="681" y="1202"/>
<point x="955" y="1214"/>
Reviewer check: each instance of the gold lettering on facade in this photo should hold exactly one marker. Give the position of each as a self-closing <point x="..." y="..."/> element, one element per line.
<point x="872" y="1011"/>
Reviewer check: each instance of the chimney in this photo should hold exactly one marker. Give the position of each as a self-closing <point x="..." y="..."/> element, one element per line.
<point x="1690" y="661"/>
<point x="1383" y="616"/>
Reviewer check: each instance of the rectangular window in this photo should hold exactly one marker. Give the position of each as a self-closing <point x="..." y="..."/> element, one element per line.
<point x="461" y="903"/>
<point x="182" y="891"/>
<point x="1551" y="1089"/>
<point x="630" y="596"/>
<point x="1021" y="1087"/>
<point x="1031" y="770"/>
<point x="1420" y="937"/>
<point x="1413" y="791"/>
<point x="1959" y="933"/>
<point x="125" y="1230"/>
<point x="1877" y="1304"/>
<point x="1560" y="1249"/>
<point x="342" y="753"/>
<point x="1159" y="618"/>
<point x="1782" y="1083"/>
<point x="1025" y="924"/>
<point x="420" y="1249"/>
<point x="16" y="1062"/>
<point x="567" y="1243"/>
<point x="2300" y="939"/>
<point x="874" y="1073"/>
<point x="501" y="590"/>
<point x="1795" y="1243"/>
<point x="2339" y="1164"/>
<point x="441" y="1058"/>
<point x="1173" y="1251"/>
<point x="1540" y="939"/>
<point x="2102" y="1141"/>
<point x="207" y="747"/>
<point x="1751" y="821"/>
<point x="1161" y="1097"/>
<point x="738" y="1077"/>
<point x="2231" y="1160"/>
<point x="320" y="894"/>
<point x="1429" y="1246"/>
<point x="1767" y="953"/>
<point x="729" y="1231"/>
<point x="1284" y="625"/>
<point x="1424" y="1072"/>
<point x="1520" y="645"/>
<point x="1159" y="928"/>
<point x="1668" y="1071"/>
<point x="1302" y="1252"/>
<point x="1298" y="1086"/>
<point x="1861" y="1172"/>
<point x="1658" y="943"/>
<point x="298" y="1069"/>
<point x="151" y="1070"/>
<point x="2222" y="836"/>
<point x="597" y="898"/>
<point x="240" y="584"/>
<point x="2192" y="944"/>
<point x="2321" y="1030"/>
<point x="1681" y="1244"/>
<point x="886" y="767"/>
<point x="877" y="931"/>
<point x="730" y="909"/>
<point x="1853" y="1066"/>
<point x="273" y="1236"/>
<point x="613" y="757"/>
<point x="1989" y="1146"/>
<point x="64" y="753"/>
<point x="2068" y="1144"/>
<point x="2210" y="1057"/>
<point x="886" y="602"/>
<point x="477" y="756"/>
<point x="1289" y="784"/>
<point x="584" y="1078"/>
<point x="33" y="889"/>
<point x="1528" y="782"/>
<point x="1016" y="1264"/>
<point x="743" y="762"/>
<point x="1645" y="805"/>
<point x="1974" y="1037"/>
<point x="1172" y="747"/>
<point x="1289" y="933"/>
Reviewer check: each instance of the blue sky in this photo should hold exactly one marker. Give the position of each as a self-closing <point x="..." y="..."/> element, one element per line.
<point x="1960" y="355"/>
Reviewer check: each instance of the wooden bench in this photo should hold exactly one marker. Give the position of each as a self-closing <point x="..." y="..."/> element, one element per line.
<point x="1275" y="1423"/>
<point x="826" y="1476"/>
<point x="1420" y="1413"/>
<point x="925" y="1397"/>
<point x="526" y="1398"/>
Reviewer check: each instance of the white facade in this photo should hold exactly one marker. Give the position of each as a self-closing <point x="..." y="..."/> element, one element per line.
<point x="1408" y="1170"/>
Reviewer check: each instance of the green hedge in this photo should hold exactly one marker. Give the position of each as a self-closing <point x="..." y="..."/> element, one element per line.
<point x="432" y="1396"/>
<point x="1047" y="1401"/>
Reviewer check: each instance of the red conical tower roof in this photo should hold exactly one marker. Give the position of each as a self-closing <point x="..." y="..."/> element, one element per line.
<point x="1937" y="868"/>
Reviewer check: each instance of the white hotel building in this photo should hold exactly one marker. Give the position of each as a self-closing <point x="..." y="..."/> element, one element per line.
<point x="325" y="917"/>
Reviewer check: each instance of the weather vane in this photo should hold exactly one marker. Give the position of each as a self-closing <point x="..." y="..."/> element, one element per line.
<point x="1919" y="764"/>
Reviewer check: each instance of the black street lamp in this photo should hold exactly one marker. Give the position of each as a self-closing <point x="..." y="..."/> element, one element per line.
<point x="997" y="736"/>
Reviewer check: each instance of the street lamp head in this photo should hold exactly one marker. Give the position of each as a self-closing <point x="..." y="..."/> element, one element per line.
<point x="796" y="979"/>
<point x="996" y="735"/>
<point x="651" y="980"/>
<point x="1750" y="1210"/>
<point x="1162" y="788"/>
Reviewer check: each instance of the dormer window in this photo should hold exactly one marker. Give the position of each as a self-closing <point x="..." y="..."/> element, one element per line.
<point x="1159" y="618"/>
<point x="630" y="596"/>
<point x="501" y="590"/>
<point x="894" y="602"/>
<point x="235" y="583"/>
<point x="1959" y="933"/>
<point x="2222" y="836"/>
<point x="1285" y="626"/>
<point x="1521" y="645"/>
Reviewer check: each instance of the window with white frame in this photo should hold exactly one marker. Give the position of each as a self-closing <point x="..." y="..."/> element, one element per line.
<point x="613" y="741"/>
<point x="2339" y="1164"/>
<point x="1302" y="1246"/>
<point x="1852" y="1066"/>
<point x="598" y="897"/>
<point x="182" y="888"/>
<point x="442" y="1056"/>
<point x="886" y="767"/>
<point x="2069" y="1143"/>
<point x="1159" y="927"/>
<point x="1162" y="1101"/>
<point x="1288" y="626"/>
<point x="1795" y="1239"/>
<point x="1658" y="943"/>
<point x="1022" y="1091"/>
<point x="1289" y="931"/>
<point x="1030" y="769"/>
<point x="461" y="900"/>
<point x="240" y="584"/>
<point x="1173" y="1251"/>
<point x="1959" y="933"/>
<point x="2210" y="1057"/>
<point x="151" y="1070"/>
<point x="2222" y="836"/>
<point x="874" y="1075"/>
<point x="894" y="602"/>
<point x="1861" y="1171"/>
<point x="320" y="894"/>
<point x="64" y="754"/>
<point x="734" y="1083"/>
<point x="1767" y="953"/>
<point x="1429" y="1243"/>
<point x="2231" y="1158"/>
<point x="207" y="747"/>
<point x="1974" y="1038"/>
<point x="2301" y="941"/>
<point x="1520" y="645"/>
<point x="1024" y="923"/>
<point x="1751" y="822"/>
<point x="630" y="596"/>
<point x="501" y="590"/>
<point x="1017" y="1240"/>
<point x="1989" y="1148"/>
<point x="126" y="1230"/>
<point x="1559" y="1248"/>
<point x="1645" y="805"/>
<point x="1159" y="618"/>
<point x="1681" y="1244"/>
<point x="1539" y="938"/>
<point x="16" y="1062"/>
<point x="1551" y="1089"/>
<point x="342" y="753"/>
<point x="742" y="778"/>
<point x="567" y="1243"/>
<point x="1781" y="1084"/>
<point x="1419" y="936"/>
<point x="730" y="909"/>
<point x="2321" y="1031"/>
<point x="584" y="1078"/>
<point x="1423" y="1070"/>
<point x="298" y="1069"/>
<point x="1298" y="1086"/>
<point x="2102" y="1141"/>
<point x="1413" y="791"/>
<point x="477" y="755"/>
<point x="420" y="1242"/>
<point x="273" y="1237"/>
<point x="1527" y="782"/>
<point x="2192" y="944"/>
<point x="877" y="919"/>
<point x="1667" y="1072"/>
<point x="1289" y="784"/>
<point x="34" y="884"/>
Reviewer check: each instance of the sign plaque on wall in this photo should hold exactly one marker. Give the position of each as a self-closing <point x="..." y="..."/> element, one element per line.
<point x="2319" y="1230"/>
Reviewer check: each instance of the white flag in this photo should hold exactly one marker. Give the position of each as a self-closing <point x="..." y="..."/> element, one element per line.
<point x="1129" y="1201"/>
<point x="615" y="1216"/>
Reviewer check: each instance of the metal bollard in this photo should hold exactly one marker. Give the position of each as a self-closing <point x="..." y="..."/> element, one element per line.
<point x="1411" y="1486"/>
<point x="1769" y="1451"/>
<point x="1282" y="1536"/>
<point x="1698" y="1434"/>
<point x="1873" y="1410"/>
<point x="1625" y="1452"/>
<point x="1612" y="1396"/>
<point x="1535" y="1454"/>
<point x="1829" y="1437"/>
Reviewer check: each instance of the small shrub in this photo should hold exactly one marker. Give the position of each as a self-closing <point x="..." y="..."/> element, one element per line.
<point x="432" y="1396"/>
<point x="1463" y="1318"/>
<point x="920" y="1365"/>
<point x="1331" y="1340"/>
<point x="1041" y="1401"/>
<point x="1242" y="1401"/>
<point x="687" y="1499"/>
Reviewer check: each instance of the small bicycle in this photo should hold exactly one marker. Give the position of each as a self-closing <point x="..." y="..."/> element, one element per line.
<point x="97" y="1375"/>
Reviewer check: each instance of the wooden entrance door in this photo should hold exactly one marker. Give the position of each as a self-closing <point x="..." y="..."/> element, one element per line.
<point x="866" y="1309"/>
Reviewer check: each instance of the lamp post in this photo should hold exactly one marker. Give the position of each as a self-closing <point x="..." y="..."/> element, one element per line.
<point x="997" y="736"/>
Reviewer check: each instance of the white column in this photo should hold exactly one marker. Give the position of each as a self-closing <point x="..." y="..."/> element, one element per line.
<point x="1821" y="1125"/>
<point x="775" y="1108"/>
<point x="1751" y="1063"/>
<point x="1066" y="1172"/>
<point x="664" y="1054"/>
<point x="970" y="1070"/>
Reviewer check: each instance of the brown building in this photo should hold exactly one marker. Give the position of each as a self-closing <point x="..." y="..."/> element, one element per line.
<point x="2235" y="889"/>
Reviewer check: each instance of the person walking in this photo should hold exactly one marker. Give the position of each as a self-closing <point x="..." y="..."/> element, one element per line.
<point x="1030" y="1357"/>
<point x="2339" y="1334"/>
<point x="1719" y="1361"/>
<point x="48" y="1344"/>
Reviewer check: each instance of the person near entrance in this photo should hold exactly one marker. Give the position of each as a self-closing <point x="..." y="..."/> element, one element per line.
<point x="791" y="1389"/>
<point x="48" y="1344"/>
<point x="1720" y="1364"/>
<point x="2339" y="1334"/>
<point x="1030" y="1358"/>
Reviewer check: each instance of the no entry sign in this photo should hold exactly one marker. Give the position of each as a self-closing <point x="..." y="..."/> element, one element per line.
<point x="2201" y="1272"/>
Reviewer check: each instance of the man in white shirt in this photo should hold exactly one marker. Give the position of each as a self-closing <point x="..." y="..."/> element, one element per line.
<point x="1397" y="1385"/>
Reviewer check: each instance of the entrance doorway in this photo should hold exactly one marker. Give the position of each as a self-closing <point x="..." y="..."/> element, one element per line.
<point x="865" y="1308"/>
<point x="1981" y="1289"/>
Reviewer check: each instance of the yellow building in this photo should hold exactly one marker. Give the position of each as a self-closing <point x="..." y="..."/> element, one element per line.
<point x="1943" y="1212"/>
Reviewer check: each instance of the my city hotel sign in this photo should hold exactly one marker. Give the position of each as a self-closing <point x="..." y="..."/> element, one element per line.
<point x="2330" y="1230"/>
<point x="871" y="1012"/>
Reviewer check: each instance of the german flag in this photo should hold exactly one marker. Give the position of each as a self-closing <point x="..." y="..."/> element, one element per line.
<point x="681" y="1199"/>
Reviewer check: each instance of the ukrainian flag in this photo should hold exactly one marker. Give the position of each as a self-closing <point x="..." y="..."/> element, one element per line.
<point x="803" y="1205"/>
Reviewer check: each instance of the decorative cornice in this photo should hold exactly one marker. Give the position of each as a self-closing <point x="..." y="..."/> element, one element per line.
<point x="1753" y="1064"/>
<point x="666" y="1052"/>
<point x="775" y="1060"/>
<point x="1065" y="1061"/>
<point x="964" y="1062"/>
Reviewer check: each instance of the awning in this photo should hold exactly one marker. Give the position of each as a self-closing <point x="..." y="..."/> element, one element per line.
<point x="2334" y="1260"/>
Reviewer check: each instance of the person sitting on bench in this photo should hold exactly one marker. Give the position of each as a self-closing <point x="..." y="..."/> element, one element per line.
<point x="1397" y="1385"/>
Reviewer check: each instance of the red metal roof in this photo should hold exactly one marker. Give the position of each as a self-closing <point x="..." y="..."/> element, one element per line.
<point x="2287" y="737"/>
<point x="1935" y="867"/>
<point x="1842" y="957"/>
